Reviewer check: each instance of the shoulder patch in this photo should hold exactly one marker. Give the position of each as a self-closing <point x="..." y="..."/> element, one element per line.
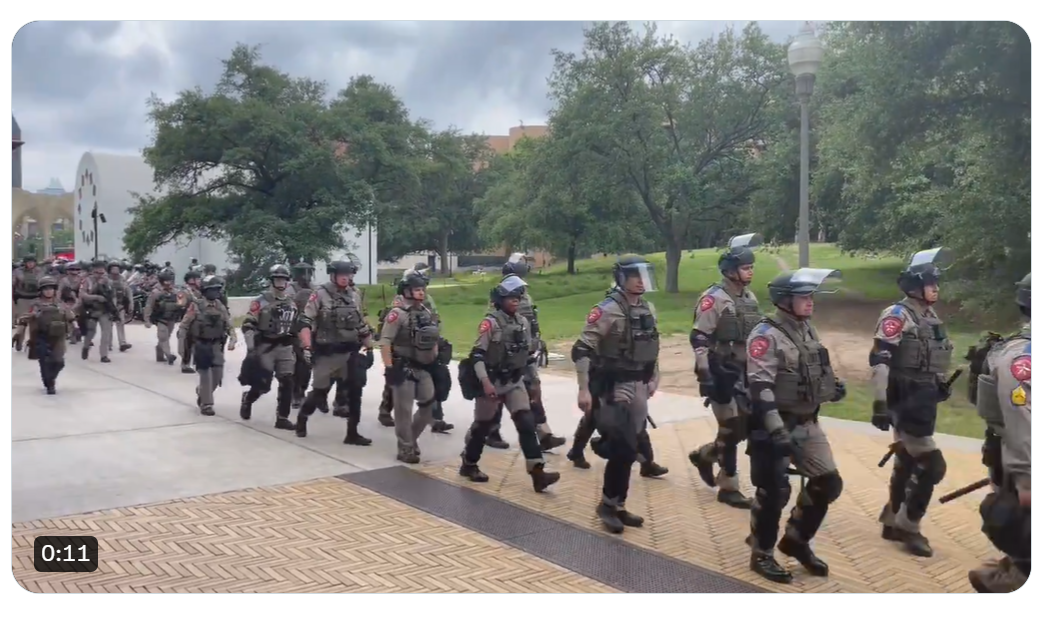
<point x="594" y="315"/>
<point x="707" y="303"/>
<point x="314" y="297"/>
<point x="891" y="326"/>
<point x="254" y="307"/>
<point x="896" y="310"/>
<point x="485" y="326"/>
<point x="1027" y="351"/>
<point x="1020" y="368"/>
<point x="393" y="315"/>
<point x="1019" y="396"/>
<point x="759" y="346"/>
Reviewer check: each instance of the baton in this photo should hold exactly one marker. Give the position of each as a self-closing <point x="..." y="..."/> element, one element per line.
<point x="968" y="489"/>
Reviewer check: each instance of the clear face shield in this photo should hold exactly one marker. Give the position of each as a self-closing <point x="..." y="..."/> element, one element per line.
<point x="511" y="283"/>
<point x="931" y="263"/>
<point x="746" y="240"/>
<point x="643" y="271"/>
<point x="809" y="281"/>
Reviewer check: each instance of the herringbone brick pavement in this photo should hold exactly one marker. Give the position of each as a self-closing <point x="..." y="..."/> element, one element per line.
<point x="321" y="536"/>
<point x="685" y="521"/>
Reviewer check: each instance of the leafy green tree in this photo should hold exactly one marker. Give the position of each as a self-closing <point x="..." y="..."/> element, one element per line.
<point x="673" y="123"/>
<point x="254" y="162"/>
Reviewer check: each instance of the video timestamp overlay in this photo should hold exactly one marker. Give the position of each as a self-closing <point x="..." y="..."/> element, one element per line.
<point x="64" y="553"/>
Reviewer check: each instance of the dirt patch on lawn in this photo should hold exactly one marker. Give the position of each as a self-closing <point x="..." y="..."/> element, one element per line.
<point x="846" y="330"/>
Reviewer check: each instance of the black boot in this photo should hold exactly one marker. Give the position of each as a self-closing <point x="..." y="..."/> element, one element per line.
<point x="705" y="467"/>
<point x="629" y="519"/>
<point x="768" y="567"/>
<point x="352" y="435"/>
<point x="104" y="360"/>
<point x="610" y="518"/>
<point x="542" y="479"/>
<point x="84" y="351"/>
<point x="495" y="441"/>
<point x="386" y="420"/>
<point x="187" y="369"/>
<point x="472" y="472"/>
<point x="207" y="411"/>
<point x="652" y="470"/>
<point x="323" y="405"/>
<point x="341" y="411"/>
<point x="245" y="411"/>
<point x="550" y="441"/>
<point x="915" y="543"/>
<point x="578" y="459"/>
<point x="301" y="428"/>
<point x="124" y="347"/>
<point x="801" y="552"/>
<point x="159" y="356"/>
<point x="171" y="359"/>
<point x="734" y="499"/>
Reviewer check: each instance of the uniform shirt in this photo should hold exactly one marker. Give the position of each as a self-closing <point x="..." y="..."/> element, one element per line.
<point x="895" y="321"/>
<point x="251" y="322"/>
<point x="122" y="292"/>
<point x="767" y="346"/>
<point x="58" y="347"/>
<point x="710" y="306"/>
<point x="489" y="331"/>
<point x="192" y="313"/>
<point x="605" y="321"/>
<point x="19" y="281"/>
<point x="86" y="295"/>
<point x="152" y="300"/>
<point x="323" y="298"/>
<point x="1010" y="365"/>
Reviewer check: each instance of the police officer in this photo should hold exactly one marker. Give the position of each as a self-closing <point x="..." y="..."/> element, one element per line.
<point x="348" y="397"/>
<point x="723" y="317"/>
<point x="207" y="323"/>
<point x="49" y="323"/>
<point x="586" y="427"/>
<point x="410" y="345"/>
<point x="333" y="326"/>
<point x="494" y="373"/>
<point x="1003" y="400"/>
<point x="269" y="332"/>
<point x="616" y="368"/>
<point x="186" y="296"/>
<point x="517" y="265"/>
<point x="210" y="269"/>
<point x="302" y="370"/>
<point x="790" y="376"/>
<point x="26" y="285"/>
<point x="441" y="374"/>
<point x="164" y="310"/>
<point x="98" y="308"/>
<point x="69" y="289"/>
<point x="123" y="297"/>
<point x="909" y="359"/>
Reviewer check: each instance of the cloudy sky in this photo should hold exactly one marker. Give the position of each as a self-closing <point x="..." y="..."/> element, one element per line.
<point x="80" y="86"/>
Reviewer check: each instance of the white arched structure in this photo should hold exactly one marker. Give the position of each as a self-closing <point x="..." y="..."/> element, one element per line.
<point x="45" y="208"/>
<point x="106" y="182"/>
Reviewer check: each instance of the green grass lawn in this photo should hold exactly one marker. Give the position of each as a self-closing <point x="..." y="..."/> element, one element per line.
<point x="564" y="301"/>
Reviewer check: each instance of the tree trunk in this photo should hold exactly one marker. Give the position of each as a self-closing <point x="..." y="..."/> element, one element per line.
<point x="674" y="258"/>
<point x="445" y="268"/>
<point x="571" y="258"/>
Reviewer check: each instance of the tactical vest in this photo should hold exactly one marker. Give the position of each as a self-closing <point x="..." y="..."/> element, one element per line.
<point x="513" y="348"/>
<point x="341" y="321"/>
<point x="276" y="317"/>
<point x="30" y="283"/>
<point x="924" y="350"/>
<point x="637" y="347"/>
<point x="51" y="321"/>
<point x="801" y="387"/>
<point x="168" y="303"/>
<point x="416" y="340"/>
<point x="987" y="399"/>
<point x="301" y="298"/>
<point x="735" y="324"/>
<point x="209" y="322"/>
<point x="102" y="288"/>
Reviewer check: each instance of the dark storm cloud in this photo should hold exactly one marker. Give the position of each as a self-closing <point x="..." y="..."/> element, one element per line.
<point x="83" y="85"/>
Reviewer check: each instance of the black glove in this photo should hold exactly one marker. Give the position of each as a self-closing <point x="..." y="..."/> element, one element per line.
<point x="704" y="381"/>
<point x="781" y="441"/>
<point x="945" y="391"/>
<point x="394" y="376"/>
<point x="841" y="391"/>
<point x="306" y="355"/>
<point x="881" y="418"/>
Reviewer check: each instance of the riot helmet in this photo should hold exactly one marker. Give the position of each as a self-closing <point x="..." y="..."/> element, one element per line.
<point x="739" y="254"/>
<point x="45" y="283"/>
<point x="925" y="268"/>
<point x="212" y="287"/>
<point x="634" y="266"/>
<point x="166" y="275"/>
<point x="413" y="286"/>
<point x="518" y="267"/>
<point x="510" y="287"/>
<point x="799" y="283"/>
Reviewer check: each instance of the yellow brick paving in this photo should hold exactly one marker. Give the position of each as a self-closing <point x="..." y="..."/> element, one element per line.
<point x="683" y="520"/>
<point x="320" y="536"/>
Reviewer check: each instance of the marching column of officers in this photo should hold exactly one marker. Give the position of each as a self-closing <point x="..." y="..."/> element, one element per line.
<point x="765" y="379"/>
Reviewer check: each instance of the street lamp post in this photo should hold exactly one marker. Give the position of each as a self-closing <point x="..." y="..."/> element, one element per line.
<point x="804" y="58"/>
<point x="96" y="218"/>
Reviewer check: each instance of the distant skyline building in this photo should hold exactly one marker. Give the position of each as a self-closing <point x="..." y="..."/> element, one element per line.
<point x="54" y="188"/>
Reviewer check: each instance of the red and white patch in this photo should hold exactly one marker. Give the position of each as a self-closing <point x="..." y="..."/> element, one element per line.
<point x="485" y="326"/>
<point x="314" y="297"/>
<point x="707" y="303"/>
<point x="891" y="327"/>
<point x="595" y="314"/>
<point x="254" y="307"/>
<point x="1021" y="368"/>
<point x="758" y="347"/>
<point x="391" y="318"/>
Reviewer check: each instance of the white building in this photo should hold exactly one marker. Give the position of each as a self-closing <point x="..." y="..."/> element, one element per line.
<point x="107" y="182"/>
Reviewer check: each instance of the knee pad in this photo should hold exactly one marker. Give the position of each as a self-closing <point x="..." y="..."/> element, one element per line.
<point x="932" y="467"/>
<point x="736" y="430"/>
<point x="824" y="490"/>
<point x="774" y="500"/>
<point x="479" y="430"/>
<point x="524" y="419"/>
<point x="426" y="404"/>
